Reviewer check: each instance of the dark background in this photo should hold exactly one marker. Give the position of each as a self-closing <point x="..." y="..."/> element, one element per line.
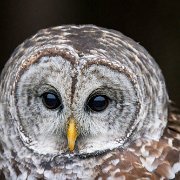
<point x="153" y="23"/>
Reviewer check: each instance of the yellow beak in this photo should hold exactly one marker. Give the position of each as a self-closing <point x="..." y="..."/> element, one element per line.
<point x="72" y="133"/>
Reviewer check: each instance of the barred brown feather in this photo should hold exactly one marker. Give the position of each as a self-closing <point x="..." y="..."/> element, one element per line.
<point x="128" y="134"/>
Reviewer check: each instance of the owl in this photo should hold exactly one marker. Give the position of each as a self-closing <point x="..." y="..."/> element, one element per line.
<point x="84" y="102"/>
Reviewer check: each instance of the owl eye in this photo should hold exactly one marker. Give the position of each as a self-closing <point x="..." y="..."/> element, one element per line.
<point x="51" y="100"/>
<point x="98" y="103"/>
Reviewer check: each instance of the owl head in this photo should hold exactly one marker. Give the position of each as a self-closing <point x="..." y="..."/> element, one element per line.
<point x="81" y="90"/>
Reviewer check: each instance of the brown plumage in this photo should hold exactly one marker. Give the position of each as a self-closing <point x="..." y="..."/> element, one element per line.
<point x="84" y="102"/>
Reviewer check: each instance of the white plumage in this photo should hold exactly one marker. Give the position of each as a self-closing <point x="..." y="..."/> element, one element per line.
<point x="85" y="102"/>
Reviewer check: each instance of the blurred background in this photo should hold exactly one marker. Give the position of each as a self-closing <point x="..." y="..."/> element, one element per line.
<point x="155" y="24"/>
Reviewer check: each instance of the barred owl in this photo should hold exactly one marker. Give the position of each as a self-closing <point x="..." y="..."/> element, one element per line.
<point x="84" y="102"/>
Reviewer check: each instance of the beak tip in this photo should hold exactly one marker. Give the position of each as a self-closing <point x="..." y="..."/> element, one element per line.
<point x="71" y="147"/>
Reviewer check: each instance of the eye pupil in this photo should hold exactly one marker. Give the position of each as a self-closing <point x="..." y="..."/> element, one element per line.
<point x="51" y="100"/>
<point x="98" y="103"/>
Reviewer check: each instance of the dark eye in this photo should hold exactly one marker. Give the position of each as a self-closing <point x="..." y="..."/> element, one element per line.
<point x="98" y="103"/>
<point x="51" y="100"/>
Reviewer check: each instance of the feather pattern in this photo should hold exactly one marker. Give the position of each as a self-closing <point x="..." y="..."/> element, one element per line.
<point x="134" y="137"/>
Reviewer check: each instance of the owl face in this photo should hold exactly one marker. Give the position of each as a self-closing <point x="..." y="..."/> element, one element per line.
<point x="101" y="103"/>
<point x="84" y="91"/>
